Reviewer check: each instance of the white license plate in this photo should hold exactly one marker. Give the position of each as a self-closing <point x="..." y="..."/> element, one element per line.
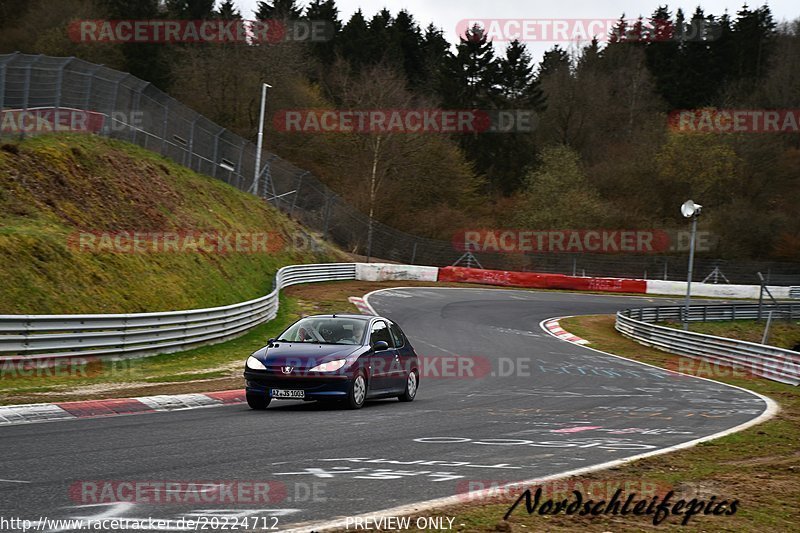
<point x="283" y="393"/>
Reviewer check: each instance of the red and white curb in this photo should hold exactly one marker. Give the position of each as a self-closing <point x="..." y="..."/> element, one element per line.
<point x="44" y="412"/>
<point x="554" y="328"/>
<point x="363" y="307"/>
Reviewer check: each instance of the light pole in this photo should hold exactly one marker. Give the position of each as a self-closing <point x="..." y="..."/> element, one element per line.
<point x="257" y="171"/>
<point x="689" y="209"/>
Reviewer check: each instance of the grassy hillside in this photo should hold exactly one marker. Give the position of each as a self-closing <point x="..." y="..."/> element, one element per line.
<point x="53" y="187"/>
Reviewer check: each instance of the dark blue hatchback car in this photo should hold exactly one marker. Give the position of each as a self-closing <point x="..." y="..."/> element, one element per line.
<point x="347" y="358"/>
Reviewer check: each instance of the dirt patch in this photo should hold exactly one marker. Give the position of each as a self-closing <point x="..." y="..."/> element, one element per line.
<point x="128" y="390"/>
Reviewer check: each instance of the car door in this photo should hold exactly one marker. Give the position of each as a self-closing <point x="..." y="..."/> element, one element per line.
<point x="405" y="356"/>
<point x="383" y="364"/>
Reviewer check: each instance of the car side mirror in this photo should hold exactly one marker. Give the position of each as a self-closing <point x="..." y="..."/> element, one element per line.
<point x="380" y="346"/>
<point x="271" y="341"/>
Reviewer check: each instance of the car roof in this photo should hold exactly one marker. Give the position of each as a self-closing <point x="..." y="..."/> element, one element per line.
<point x="344" y="315"/>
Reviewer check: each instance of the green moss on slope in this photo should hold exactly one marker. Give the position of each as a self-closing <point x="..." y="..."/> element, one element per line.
<point x="53" y="187"/>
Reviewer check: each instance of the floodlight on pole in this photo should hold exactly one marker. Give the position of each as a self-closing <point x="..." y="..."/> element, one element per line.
<point x="689" y="209"/>
<point x="257" y="170"/>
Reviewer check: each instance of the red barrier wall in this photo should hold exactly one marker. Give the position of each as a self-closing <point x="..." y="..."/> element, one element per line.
<point x="541" y="281"/>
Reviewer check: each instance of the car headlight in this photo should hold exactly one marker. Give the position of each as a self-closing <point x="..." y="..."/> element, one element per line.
<point x="254" y="364"/>
<point x="331" y="366"/>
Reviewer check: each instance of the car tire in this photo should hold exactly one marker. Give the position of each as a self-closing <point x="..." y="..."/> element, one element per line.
<point x="259" y="402"/>
<point x="357" y="394"/>
<point x="412" y="385"/>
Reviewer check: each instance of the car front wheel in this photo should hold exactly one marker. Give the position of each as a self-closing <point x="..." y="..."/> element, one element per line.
<point x="358" y="392"/>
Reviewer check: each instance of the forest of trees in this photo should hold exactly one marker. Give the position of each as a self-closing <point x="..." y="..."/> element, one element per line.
<point x="602" y="139"/>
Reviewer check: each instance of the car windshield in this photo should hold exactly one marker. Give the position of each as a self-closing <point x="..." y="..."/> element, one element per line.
<point x="326" y="330"/>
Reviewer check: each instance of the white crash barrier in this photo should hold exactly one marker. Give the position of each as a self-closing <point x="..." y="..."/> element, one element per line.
<point x="678" y="288"/>
<point x="391" y="272"/>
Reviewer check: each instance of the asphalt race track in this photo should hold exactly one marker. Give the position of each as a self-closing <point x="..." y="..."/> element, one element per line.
<point x="533" y="406"/>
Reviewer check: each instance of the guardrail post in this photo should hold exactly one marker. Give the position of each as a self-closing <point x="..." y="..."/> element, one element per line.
<point x="124" y="331"/>
<point x="657" y="313"/>
<point x="414" y="253"/>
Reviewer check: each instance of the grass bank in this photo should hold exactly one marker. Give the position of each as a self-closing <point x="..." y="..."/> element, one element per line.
<point x="53" y="189"/>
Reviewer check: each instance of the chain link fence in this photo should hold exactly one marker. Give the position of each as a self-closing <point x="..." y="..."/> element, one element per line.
<point x="164" y="125"/>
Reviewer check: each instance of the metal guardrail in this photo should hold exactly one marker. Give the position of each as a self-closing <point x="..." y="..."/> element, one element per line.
<point x="708" y="313"/>
<point x="50" y="336"/>
<point x="770" y="362"/>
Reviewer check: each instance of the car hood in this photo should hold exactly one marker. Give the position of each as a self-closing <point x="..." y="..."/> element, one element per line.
<point x="305" y="355"/>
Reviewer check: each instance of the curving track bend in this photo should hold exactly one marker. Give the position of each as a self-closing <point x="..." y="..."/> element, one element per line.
<point x="534" y="406"/>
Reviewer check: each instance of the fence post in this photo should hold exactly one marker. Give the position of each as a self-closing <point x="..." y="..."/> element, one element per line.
<point x="326" y="223"/>
<point x="116" y="93"/>
<point x="297" y="191"/>
<point x="164" y="128"/>
<point x="268" y="184"/>
<point x="87" y="99"/>
<point x="191" y="145"/>
<point x="2" y="84"/>
<point x="26" y="91"/>
<point x="760" y="299"/>
<point x="60" y="82"/>
<point x="216" y="151"/>
<point x="239" y="165"/>
<point x="137" y="99"/>
<point x="414" y="253"/>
